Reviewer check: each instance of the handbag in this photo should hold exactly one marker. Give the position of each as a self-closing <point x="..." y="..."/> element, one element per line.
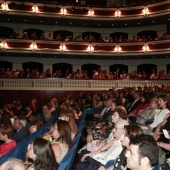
<point x="162" y="156"/>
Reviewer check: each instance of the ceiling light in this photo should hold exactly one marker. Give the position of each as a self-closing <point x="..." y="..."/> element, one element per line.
<point x="35" y="9"/>
<point x="145" y="11"/>
<point x="90" y="12"/>
<point x="5" y="7"/>
<point x="33" y="46"/>
<point x="63" y="11"/>
<point x="146" y="48"/>
<point x="117" y="13"/>
<point x="62" y="47"/>
<point x="117" y="49"/>
<point x="3" y="45"/>
<point x="90" y="48"/>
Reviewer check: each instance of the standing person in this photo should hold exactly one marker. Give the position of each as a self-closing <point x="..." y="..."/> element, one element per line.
<point x="40" y="151"/>
<point x="143" y="153"/>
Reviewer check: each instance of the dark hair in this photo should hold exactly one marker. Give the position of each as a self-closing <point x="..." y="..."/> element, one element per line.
<point x="147" y="147"/>
<point x="133" y="130"/>
<point x="36" y="119"/>
<point x="45" y="158"/>
<point x="165" y="98"/>
<point x="7" y="130"/>
<point x="64" y="130"/>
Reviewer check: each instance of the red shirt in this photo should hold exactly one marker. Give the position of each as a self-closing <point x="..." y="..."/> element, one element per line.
<point x="7" y="147"/>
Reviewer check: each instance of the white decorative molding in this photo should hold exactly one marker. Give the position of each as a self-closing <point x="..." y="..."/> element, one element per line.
<point x="74" y="84"/>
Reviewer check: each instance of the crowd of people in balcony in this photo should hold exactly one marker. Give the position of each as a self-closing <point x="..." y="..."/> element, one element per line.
<point x="108" y="113"/>
<point x="90" y="37"/>
<point x="83" y="74"/>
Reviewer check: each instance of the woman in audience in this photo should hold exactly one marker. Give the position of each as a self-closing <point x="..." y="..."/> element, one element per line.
<point x="61" y="134"/>
<point x="68" y="115"/>
<point x="93" y="145"/>
<point x="146" y="115"/>
<point x="6" y="132"/>
<point x="53" y="104"/>
<point x="42" y="155"/>
<point x="120" y="162"/>
<point x="163" y="101"/>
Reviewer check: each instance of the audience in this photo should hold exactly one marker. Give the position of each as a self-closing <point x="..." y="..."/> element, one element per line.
<point x="6" y="132"/>
<point x="152" y="112"/>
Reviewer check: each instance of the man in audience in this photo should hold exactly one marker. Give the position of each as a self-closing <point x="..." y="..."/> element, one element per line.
<point x="46" y="113"/>
<point x="13" y="164"/>
<point x="143" y="153"/>
<point x="135" y="103"/>
<point x="22" y="132"/>
<point x="108" y="152"/>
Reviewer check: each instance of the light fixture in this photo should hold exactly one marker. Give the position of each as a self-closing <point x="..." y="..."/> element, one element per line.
<point x="145" y="11"/>
<point x="62" y="47"/>
<point x="118" y="49"/>
<point x="35" y="9"/>
<point x="90" y="48"/>
<point x="33" y="46"/>
<point x="63" y="11"/>
<point x="5" y="7"/>
<point x="3" y="45"/>
<point x="117" y="13"/>
<point x="145" y="48"/>
<point x="91" y="13"/>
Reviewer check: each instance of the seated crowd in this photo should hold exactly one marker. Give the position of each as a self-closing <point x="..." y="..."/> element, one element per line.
<point x="124" y="129"/>
<point x="90" y="37"/>
<point x="83" y="74"/>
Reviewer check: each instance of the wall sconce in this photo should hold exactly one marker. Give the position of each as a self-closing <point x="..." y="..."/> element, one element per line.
<point x="62" y="47"/>
<point x="33" y="46"/>
<point x="3" y="45"/>
<point x="146" y="48"/>
<point x="35" y="9"/>
<point x="63" y="11"/>
<point x="145" y="11"/>
<point x="117" y="13"/>
<point x="90" y="48"/>
<point x="90" y="12"/>
<point x="118" y="48"/>
<point x="5" y="7"/>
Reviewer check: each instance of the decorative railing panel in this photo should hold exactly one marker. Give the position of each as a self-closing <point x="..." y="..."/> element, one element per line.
<point x="73" y="84"/>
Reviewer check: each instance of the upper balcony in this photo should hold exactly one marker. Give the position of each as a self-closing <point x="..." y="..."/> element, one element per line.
<point x="81" y="16"/>
<point x="82" y="50"/>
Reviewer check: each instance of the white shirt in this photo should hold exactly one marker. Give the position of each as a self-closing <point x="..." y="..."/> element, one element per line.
<point x="159" y="117"/>
<point x="111" y="154"/>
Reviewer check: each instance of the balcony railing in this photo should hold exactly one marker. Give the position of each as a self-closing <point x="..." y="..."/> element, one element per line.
<point x="53" y="47"/>
<point x="75" y="84"/>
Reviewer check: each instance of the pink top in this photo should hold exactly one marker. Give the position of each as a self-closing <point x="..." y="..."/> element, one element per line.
<point x="7" y="147"/>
